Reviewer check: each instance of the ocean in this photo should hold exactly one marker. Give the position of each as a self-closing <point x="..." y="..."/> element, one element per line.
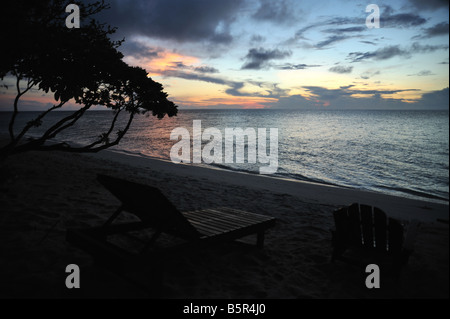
<point x="403" y="153"/>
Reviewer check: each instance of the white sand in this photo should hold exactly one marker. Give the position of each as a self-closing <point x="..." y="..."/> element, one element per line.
<point x="43" y="194"/>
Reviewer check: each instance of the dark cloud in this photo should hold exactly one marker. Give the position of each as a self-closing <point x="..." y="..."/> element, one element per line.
<point x="440" y="29"/>
<point x="180" y="20"/>
<point x="258" y="59"/>
<point x="206" y="69"/>
<point x="400" y="20"/>
<point x="333" y="94"/>
<point x="394" y="51"/>
<point x="422" y="73"/>
<point x="234" y="87"/>
<point x="429" y="4"/>
<point x="389" y="19"/>
<point x="341" y="69"/>
<point x="255" y="39"/>
<point x="367" y="75"/>
<point x="198" y="77"/>
<point x="327" y="94"/>
<point x="435" y="100"/>
<point x="178" y="65"/>
<point x="375" y="92"/>
<point x="280" y="12"/>
<point x="373" y="99"/>
<point x="368" y="42"/>
<point x="419" y="48"/>
<point x="290" y="66"/>
<point x="139" y="50"/>
<point x="331" y="40"/>
<point x="380" y="54"/>
<point x="346" y="30"/>
<point x="336" y="21"/>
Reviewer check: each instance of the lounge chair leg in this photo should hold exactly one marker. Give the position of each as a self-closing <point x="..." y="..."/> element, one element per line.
<point x="113" y="216"/>
<point x="260" y="240"/>
<point x="151" y="241"/>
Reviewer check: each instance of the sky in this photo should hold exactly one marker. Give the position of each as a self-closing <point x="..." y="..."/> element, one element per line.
<point x="285" y="53"/>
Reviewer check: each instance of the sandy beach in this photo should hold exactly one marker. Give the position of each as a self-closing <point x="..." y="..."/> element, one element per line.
<point x="44" y="194"/>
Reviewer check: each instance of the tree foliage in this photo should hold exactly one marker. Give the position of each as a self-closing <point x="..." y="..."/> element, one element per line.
<point x="82" y="65"/>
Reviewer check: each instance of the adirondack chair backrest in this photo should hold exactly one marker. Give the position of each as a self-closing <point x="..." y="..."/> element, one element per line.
<point x="150" y="205"/>
<point x="362" y="225"/>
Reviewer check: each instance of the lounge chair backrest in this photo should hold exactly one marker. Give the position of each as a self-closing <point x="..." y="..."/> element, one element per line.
<point x="359" y="225"/>
<point x="150" y="205"/>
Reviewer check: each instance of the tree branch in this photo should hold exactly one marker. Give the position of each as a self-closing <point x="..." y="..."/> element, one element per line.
<point x="37" y="120"/>
<point x="67" y="148"/>
<point x="30" y="84"/>
<point x="105" y="137"/>
<point x="55" y="129"/>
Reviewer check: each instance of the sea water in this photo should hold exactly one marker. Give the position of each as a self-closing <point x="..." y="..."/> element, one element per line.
<point x="404" y="153"/>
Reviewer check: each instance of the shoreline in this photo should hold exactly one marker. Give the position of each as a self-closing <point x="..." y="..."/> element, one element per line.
<point x="425" y="198"/>
<point x="401" y="207"/>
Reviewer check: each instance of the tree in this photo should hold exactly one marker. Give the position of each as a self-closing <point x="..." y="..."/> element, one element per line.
<point x="81" y="65"/>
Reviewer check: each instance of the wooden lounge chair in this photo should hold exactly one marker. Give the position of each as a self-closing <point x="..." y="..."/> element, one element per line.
<point x="156" y="212"/>
<point x="368" y="236"/>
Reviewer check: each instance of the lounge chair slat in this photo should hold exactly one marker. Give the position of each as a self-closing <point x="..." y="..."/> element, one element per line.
<point x="367" y="226"/>
<point x="380" y="229"/>
<point x="242" y="214"/>
<point x="217" y="215"/>
<point x="355" y="224"/>
<point x="238" y="216"/>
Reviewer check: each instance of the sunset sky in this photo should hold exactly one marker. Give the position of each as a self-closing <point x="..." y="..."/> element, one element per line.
<point x="286" y="53"/>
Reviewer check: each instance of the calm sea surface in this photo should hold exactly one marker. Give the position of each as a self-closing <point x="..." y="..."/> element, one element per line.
<point x="402" y="153"/>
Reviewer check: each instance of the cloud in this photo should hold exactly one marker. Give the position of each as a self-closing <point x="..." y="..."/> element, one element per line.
<point x="180" y="20"/>
<point x="389" y="19"/>
<point x="419" y="48"/>
<point x="343" y="98"/>
<point x="380" y="54"/>
<point x="341" y="69"/>
<point x="368" y="42"/>
<point x="429" y="4"/>
<point x="258" y="59"/>
<point x="279" y="12"/>
<point x="206" y="69"/>
<point x="367" y="75"/>
<point x="199" y="69"/>
<point x="394" y="51"/>
<point x="346" y="30"/>
<point x="290" y="66"/>
<point x="440" y="29"/>
<point x="438" y="99"/>
<point x="269" y="90"/>
<point x="196" y="76"/>
<point x="336" y="21"/>
<point x="139" y="50"/>
<point x="399" y="20"/>
<point x="256" y="38"/>
<point x="331" y="40"/>
<point x="422" y="73"/>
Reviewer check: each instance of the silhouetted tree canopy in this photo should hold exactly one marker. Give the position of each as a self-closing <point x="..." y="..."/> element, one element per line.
<point x="80" y="64"/>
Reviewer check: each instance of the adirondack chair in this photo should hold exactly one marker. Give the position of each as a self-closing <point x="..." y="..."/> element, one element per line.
<point x="371" y="237"/>
<point x="156" y="212"/>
